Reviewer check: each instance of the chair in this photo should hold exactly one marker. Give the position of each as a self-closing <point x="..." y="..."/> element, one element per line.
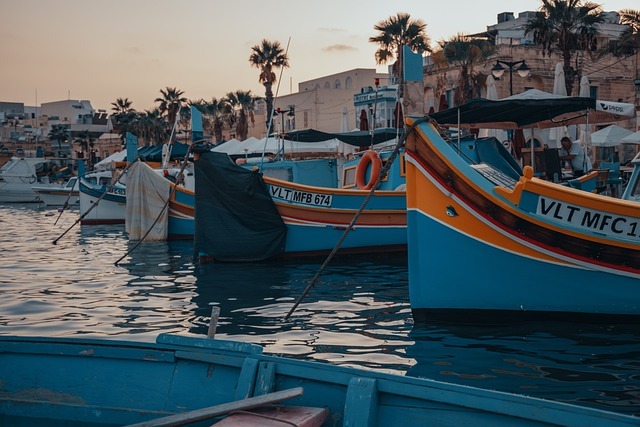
<point x="614" y="180"/>
<point x="602" y="180"/>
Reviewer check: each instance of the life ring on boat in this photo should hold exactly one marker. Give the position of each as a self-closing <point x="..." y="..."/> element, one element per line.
<point x="369" y="157"/>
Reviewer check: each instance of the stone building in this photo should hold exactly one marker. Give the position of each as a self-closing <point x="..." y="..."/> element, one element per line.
<point x="609" y="78"/>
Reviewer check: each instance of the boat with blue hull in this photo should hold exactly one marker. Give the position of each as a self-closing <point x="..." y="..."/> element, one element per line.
<point x="245" y="215"/>
<point x="531" y="248"/>
<point x="180" y="380"/>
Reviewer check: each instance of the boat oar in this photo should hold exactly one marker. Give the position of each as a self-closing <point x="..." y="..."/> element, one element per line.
<point x="66" y="203"/>
<point x="381" y="176"/>
<point x="109" y="188"/>
<point x="225" y="408"/>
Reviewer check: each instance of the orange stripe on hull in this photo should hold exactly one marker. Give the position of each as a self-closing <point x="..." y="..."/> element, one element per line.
<point x="343" y="217"/>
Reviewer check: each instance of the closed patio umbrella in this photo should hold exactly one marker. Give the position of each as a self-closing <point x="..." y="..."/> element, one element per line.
<point x="559" y="88"/>
<point x="364" y="120"/>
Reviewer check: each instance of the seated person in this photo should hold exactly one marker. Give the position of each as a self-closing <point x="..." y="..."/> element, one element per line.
<point x="577" y="155"/>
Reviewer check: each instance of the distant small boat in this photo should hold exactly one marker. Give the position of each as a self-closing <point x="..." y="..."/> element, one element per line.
<point x="65" y="194"/>
<point x="180" y="380"/>
<point x="19" y="174"/>
<point x="109" y="197"/>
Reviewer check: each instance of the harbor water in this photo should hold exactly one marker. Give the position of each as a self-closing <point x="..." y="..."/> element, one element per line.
<point x="357" y="314"/>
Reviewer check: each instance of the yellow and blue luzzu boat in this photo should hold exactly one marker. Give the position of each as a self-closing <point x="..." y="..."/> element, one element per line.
<point x="485" y="245"/>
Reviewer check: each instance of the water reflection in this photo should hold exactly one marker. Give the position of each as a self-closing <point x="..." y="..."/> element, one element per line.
<point x="591" y="365"/>
<point x="357" y="314"/>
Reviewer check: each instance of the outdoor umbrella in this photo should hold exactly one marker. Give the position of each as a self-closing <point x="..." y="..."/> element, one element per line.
<point x="492" y="94"/>
<point x="443" y="103"/>
<point x="634" y="138"/>
<point x="559" y="88"/>
<point x="364" y="121"/>
<point x="584" y="93"/>
<point x="610" y="136"/>
<point x="398" y="116"/>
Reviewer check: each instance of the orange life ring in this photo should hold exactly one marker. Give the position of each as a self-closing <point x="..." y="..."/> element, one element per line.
<point x="376" y="164"/>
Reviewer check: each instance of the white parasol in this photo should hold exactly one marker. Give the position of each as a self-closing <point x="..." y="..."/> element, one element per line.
<point x="611" y="136"/>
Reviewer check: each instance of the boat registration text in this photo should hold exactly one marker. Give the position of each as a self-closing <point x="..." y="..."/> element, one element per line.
<point x="588" y="219"/>
<point x="298" y="196"/>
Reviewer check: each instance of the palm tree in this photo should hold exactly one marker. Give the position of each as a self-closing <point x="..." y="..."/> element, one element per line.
<point x="123" y="116"/>
<point x="566" y="26"/>
<point x="242" y="104"/>
<point x="465" y="51"/>
<point x="86" y="142"/>
<point x="214" y="115"/>
<point x="267" y="57"/>
<point x="121" y="106"/>
<point x="151" y="127"/>
<point x="59" y="133"/>
<point x="394" y="33"/>
<point x="629" y="41"/>
<point x="170" y="102"/>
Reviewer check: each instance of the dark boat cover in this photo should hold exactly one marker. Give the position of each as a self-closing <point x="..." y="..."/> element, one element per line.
<point x="235" y="217"/>
<point x="153" y="153"/>
<point x="358" y="139"/>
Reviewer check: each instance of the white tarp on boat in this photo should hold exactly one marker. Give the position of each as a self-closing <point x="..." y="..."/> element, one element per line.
<point x="147" y="194"/>
<point x="273" y="145"/>
<point x="105" y="164"/>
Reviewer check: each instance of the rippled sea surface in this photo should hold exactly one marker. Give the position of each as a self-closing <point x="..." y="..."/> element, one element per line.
<point x="357" y="314"/>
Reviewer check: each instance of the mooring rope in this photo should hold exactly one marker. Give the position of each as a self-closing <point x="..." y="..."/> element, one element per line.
<point x="383" y="174"/>
<point x="109" y="188"/>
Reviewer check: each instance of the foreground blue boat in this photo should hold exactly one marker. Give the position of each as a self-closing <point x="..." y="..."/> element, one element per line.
<point x="182" y="379"/>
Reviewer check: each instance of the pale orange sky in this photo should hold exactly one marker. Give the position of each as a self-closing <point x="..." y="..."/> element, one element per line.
<point x="101" y="51"/>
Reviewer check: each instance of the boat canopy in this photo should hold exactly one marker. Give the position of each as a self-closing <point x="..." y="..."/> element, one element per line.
<point x="533" y="109"/>
<point x="153" y="153"/>
<point x="358" y="138"/>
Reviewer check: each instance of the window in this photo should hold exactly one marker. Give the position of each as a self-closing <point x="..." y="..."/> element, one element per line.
<point x="348" y="83"/>
<point x="593" y="92"/>
<point x="337" y="84"/>
<point x="349" y="177"/>
<point x="327" y="85"/>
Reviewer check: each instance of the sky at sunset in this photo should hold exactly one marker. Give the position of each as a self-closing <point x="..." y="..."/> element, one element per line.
<point x="52" y="50"/>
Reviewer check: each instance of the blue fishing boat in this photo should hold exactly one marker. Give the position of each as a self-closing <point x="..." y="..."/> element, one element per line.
<point x="179" y="380"/>
<point x="530" y="248"/>
<point x="245" y="214"/>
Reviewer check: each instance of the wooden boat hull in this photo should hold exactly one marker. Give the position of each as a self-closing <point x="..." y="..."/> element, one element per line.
<point x="111" y="208"/>
<point x="103" y="382"/>
<point x="317" y="217"/>
<point x="478" y="251"/>
<point x="181" y="214"/>
<point x="243" y="215"/>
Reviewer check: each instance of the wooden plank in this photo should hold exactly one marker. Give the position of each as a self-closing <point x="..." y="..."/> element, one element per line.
<point x="214" y="411"/>
<point x="276" y="416"/>
<point x="361" y="402"/>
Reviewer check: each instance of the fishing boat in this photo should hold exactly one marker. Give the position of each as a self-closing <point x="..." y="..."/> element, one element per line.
<point x="103" y="194"/>
<point x="103" y="198"/>
<point x="19" y="174"/>
<point x="180" y="380"/>
<point x="64" y="194"/>
<point x="488" y="245"/>
<point x="247" y="214"/>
